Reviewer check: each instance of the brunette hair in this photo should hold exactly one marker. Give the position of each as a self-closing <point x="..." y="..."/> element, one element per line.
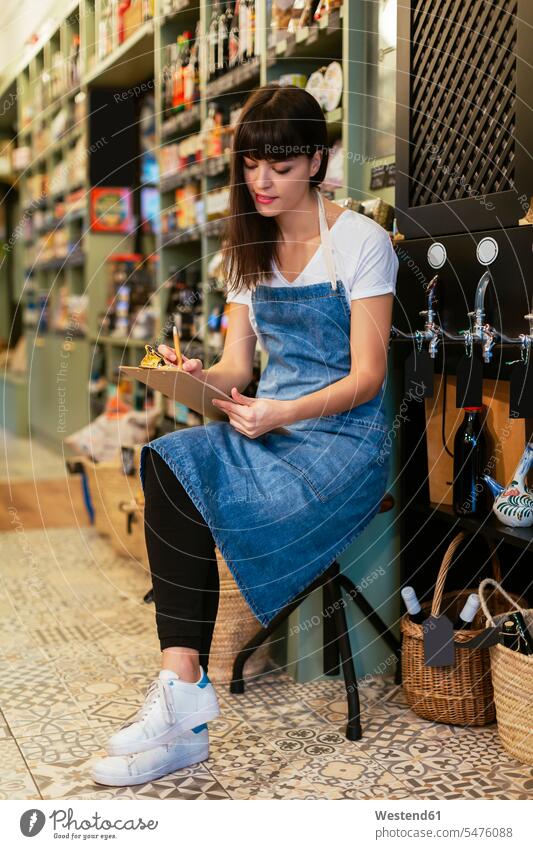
<point x="277" y="122"/>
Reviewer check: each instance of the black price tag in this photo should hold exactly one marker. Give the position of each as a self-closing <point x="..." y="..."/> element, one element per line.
<point x="469" y="389"/>
<point x="439" y="647"/>
<point x="521" y="391"/>
<point x="419" y="368"/>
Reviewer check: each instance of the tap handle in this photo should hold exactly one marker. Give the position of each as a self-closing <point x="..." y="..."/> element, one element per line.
<point x="431" y="284"/>
<point x="479" y="303"/>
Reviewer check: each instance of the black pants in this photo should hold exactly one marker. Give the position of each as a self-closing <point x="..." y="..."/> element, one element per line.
<point x="181" y="552"/>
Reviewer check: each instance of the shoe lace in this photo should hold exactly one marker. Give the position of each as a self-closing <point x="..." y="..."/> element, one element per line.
<point x="158" y="691"/>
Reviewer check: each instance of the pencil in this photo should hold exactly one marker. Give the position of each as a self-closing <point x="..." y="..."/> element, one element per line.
<point x="177" y="345"/>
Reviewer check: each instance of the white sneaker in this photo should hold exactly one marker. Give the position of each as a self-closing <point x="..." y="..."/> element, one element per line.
<point x="171" y="707"/>
<point x="189" y="748"/>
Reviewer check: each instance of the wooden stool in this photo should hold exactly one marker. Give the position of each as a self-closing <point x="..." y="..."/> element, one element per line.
<point x="336" y="638"/>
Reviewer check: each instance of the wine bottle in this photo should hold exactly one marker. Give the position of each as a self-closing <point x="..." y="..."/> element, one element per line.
<point x="222" y="39"/>
<point x="509" y="636"/>
<point x="526" y="640"/>
<point x="250" y="52"/>
<point x="212" y="41"/>
<point x="470" y="494"/>
<point x="233" y="37"/>
<point x="243" y="31"/>
<point x="466" y="616"/>
<point x="413" y="605"/>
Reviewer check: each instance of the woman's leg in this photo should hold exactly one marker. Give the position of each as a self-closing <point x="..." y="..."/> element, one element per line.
<point x="181" y="553"/>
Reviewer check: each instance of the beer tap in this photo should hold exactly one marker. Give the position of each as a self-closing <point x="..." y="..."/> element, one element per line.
<point x="525" y="340"/>
<point x="432" y="332"/>
<point x="481" y="332"/>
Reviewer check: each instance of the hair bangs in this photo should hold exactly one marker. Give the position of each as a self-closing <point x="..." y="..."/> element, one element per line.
<point x="269" y="137"/>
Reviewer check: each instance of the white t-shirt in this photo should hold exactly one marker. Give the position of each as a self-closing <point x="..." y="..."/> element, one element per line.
<point x="365" y="261"/>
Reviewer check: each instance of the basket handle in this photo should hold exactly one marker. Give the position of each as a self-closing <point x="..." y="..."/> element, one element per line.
<point x="446" y="561"/>
<point x="482" y="587"/>
<point x="443" y="572"/>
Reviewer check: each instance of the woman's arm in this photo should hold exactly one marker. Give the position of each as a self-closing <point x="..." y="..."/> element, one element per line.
<point x="370" y="328"/>
<point x="235" y="367"/>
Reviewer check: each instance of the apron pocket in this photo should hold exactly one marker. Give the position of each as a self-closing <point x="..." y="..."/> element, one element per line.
<point x="331" y="462"/>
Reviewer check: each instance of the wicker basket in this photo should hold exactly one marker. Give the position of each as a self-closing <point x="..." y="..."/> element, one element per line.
<point x="118" y="503"/>
<point x="512" y="679"/>
<point x="461" y="694"/>
<point x="235" y="626"/>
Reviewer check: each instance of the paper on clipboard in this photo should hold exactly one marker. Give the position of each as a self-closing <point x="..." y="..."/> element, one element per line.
<point x="185" y="389"/>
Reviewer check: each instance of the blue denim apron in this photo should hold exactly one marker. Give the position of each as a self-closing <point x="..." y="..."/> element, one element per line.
<point x="282" y="507"/>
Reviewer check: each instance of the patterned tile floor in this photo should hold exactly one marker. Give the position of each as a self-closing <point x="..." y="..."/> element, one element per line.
<point x="78" y="650"/>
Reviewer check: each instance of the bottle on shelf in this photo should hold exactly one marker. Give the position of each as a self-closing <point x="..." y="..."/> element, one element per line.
<point x="212" y="42"/>
<point x="223" y="26"/>
<point x="250" y="49"/>
<point x="74" y="64"/>
<point x="191" y="91"/>
<point x="177" y="76"/>
<point x="168" y="78"/>
<point x="243" y="30"/>
<point x="413" y="605"/>
<point x="306" y="18"/>
<point x="467" y="614"/>
<point x="233" y="37"/>
<point x="470" y="492"/>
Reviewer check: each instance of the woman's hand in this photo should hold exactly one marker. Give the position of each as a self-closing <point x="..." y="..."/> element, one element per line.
<point x="192" y="366"/>
<point x="254" y="416"/>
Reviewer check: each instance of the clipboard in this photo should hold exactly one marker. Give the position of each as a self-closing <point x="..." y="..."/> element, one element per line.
<point x="185" y="389"/>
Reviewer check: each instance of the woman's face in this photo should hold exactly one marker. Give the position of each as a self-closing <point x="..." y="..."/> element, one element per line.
<point x="279" y="186"/>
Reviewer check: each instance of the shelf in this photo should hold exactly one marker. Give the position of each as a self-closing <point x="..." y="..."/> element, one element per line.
<point x="236" y="80"/>
<point x="171" y="240"/>
<point x="211" y="167"/>
<point x="169" y="182"/>
<point x="214" y="228"/>
<point x="183" y="6"/>
<point x="73" y="260"/>
<point x="68" y="137"/>
<point x="131" y="63"/>
<point x="180" y="122"/>
<point x="490" y="526"/>
<point x="303" y="43"/>
<point x="120" y="341"/>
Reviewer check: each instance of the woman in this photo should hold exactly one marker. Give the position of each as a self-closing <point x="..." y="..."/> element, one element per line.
<point x="294" y="474"/>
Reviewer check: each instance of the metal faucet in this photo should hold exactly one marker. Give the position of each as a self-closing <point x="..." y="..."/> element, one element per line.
<point x="481" y="332"/>
<point x="432" y="332"/>
<point x="526" y="339"/>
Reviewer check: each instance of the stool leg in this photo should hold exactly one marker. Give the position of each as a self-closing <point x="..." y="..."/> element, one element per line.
<point x="237" y="679"/>
<point x="330" y="651"/>
<point x="353" y="727"/>
<point x="375" y="619"/>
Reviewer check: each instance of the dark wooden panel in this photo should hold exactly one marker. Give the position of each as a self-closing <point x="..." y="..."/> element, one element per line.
<point x="464" y="132"/>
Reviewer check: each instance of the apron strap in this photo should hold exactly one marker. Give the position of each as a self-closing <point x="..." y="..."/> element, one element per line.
<point x="325" y="237"/>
